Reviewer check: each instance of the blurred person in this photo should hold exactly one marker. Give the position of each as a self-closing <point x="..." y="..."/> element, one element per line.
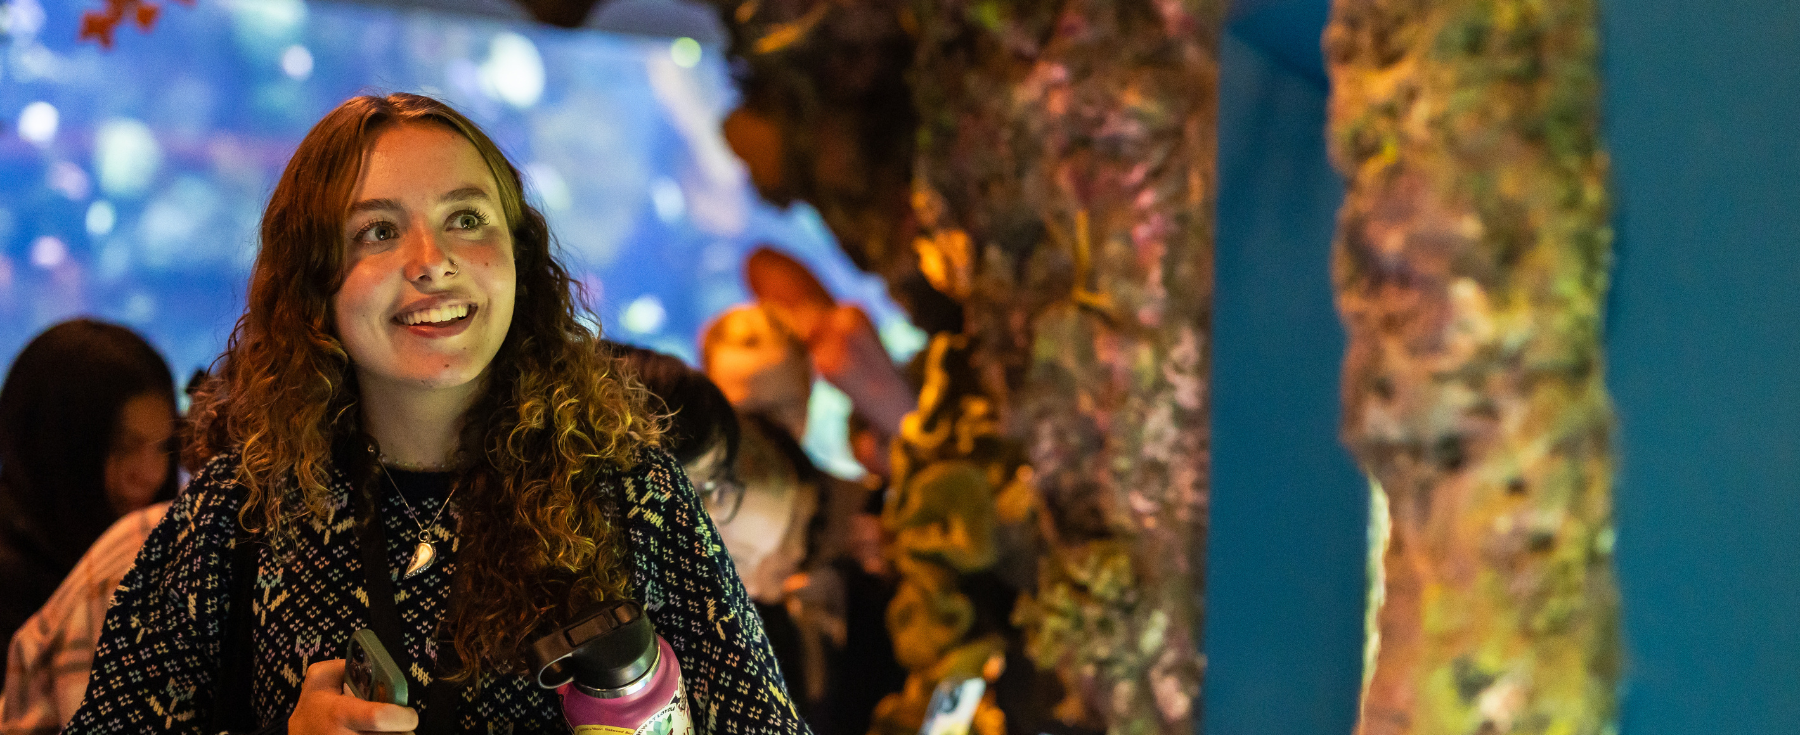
<point x="842" y="344"/>
<point x="702" y="431"/>
<point x="774" y="536"/>
<point x="839" y="341"/>
<point x="774" y="530"/>
<point x="765" y="373"/>
<point x="760" y="365"/>
<point x="52" y="654"/>
<point x="86" y="416"/>
<point x="414" y="430"/>
<point x="764" y="370"/>
<point x="793" y="535"/>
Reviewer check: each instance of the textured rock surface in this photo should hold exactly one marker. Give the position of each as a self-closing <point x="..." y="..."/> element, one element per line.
<point x="1064" y="194"/>
<point x="1059" y="164"/>
<point x="1471" y="264"/>
<point x="827" y="119"/>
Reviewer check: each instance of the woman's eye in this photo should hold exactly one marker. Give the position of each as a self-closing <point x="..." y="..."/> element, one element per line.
<point x="468" y="221"/>
<point x="377" y="232"/>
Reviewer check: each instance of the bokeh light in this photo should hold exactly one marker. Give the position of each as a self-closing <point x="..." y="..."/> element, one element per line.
<point x="645" y="315"/>
<point x="48" y="252"/>
<point x="127" y="156"/>
<point x="513" y="72"/>
<point x="136" y="188"/>
<point x="37" y="123"/>
<point x="100" y="218"/>
<point x="297" y="62"/>
<point x="685" y="52"/>
<point x="670" y="203"/>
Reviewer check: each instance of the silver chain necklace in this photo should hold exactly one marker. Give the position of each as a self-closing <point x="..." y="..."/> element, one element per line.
<point x="424" y="554"/>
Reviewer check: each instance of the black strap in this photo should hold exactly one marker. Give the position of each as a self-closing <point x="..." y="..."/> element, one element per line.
<point x="384" y="616"/>
<point x="232" y="708"/>
<point x="441" y="694"/>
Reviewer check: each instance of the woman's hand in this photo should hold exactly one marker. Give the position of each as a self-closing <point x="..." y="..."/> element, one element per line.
<point x="324" y="708"/>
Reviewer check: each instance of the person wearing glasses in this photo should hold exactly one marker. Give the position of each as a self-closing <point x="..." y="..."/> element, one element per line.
<point x="702" y="431"/>
<point x="769" y="521"/>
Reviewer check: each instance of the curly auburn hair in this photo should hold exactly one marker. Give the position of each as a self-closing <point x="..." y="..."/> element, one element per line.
<point x="556" y="414"/>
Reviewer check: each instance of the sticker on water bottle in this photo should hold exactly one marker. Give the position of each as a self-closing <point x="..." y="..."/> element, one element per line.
<point x="672" y="719"/>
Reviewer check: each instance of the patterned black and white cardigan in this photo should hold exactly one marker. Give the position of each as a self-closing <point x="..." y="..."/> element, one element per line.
<point x="159" y="653"/>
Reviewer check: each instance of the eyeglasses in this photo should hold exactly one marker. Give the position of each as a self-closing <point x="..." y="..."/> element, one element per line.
<point x="722" y="497"/>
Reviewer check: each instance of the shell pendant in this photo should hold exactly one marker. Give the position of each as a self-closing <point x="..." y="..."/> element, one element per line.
<point x="422" y="558"/>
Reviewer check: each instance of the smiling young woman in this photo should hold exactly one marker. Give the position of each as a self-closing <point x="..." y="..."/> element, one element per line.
<point x="411" y="369"/>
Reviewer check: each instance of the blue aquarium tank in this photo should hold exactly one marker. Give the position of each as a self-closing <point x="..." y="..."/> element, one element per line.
<point x="132" y="178"/>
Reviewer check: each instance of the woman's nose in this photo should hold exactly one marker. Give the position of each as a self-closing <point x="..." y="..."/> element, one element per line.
<point x="426" y="260"/>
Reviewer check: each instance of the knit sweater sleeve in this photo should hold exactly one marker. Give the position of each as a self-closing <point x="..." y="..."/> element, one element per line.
<point x="687" y="582"/>
<point x="155" y="658"/>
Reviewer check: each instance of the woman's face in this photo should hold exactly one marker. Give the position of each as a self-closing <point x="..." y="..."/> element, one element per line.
<point x="428" y="291"/>
<point x="137" y="463"/>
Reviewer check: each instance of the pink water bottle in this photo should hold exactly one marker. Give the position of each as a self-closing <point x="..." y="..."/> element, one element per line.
<point x="615" y="674"/>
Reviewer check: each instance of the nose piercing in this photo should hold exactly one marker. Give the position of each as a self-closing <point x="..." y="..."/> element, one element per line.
<point x="425" y="275"/>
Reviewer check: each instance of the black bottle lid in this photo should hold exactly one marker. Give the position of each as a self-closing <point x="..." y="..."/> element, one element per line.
<point x="608" y="646"/>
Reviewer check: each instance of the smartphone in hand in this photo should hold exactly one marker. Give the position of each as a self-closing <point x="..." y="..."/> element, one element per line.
<point x="370" y="673"/>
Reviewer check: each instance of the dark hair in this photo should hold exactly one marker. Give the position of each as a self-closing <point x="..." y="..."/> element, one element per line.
<point x="59" y="412"/>
<point x="789" y="447"/>
<point x="699" y="417"/>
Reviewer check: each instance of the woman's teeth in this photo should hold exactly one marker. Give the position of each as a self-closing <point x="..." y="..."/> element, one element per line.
<point x="438" y="315"/>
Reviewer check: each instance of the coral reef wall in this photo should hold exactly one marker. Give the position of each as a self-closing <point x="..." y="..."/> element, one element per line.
<point x="1035" y="180"/>
<point x="827" y="119"/>
<point x="1064" y="195"/>
<point x="1471" y="271"/>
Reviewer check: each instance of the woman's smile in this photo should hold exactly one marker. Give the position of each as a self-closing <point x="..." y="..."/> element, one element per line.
<point x="437" y="320"/>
